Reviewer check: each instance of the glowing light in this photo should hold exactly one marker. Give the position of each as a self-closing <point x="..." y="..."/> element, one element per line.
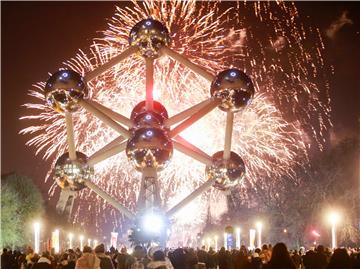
<point x="89" y="242"/>
<point x="225" y="240"/>
<point x="95" y="243"/>
<point x="71" y="236"/>
<point x="334" y="218"/>
<point x="208" y="243"/>
<point x="81" y="238"/>
<point x="252" y="234"/>
<point x="113" y="240"/>
<point x="152" y="223"/>
<point x="37" y="237"/>
<point x="315" y="233"/>
<point x="216" y="238"/>
<point x="271" y="143"/>
<point x="259" y="230"/>
<point x="55" y="240"/>
<point x="238" y="242"/>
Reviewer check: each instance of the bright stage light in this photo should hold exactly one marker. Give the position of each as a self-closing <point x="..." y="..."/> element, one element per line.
<point x="237" y="239"/>
<point x="70" y="240"/>
<point x="334" y="218"/>
<point x="153" y="223"/>
<point x="81" y="242"/>
<point x="36" y="237"/>
<point x="55" y="239"/>
<point x="259" y="226"/>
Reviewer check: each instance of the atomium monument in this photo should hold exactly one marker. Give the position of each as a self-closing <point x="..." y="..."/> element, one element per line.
<point x="149" y="136"/>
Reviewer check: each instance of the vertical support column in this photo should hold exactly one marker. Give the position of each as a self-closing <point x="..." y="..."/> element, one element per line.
<point x="228" y="134"/>
<point x="149" y="195"/>
<point x="149" y="64"/>
<point x="70" y="135"/>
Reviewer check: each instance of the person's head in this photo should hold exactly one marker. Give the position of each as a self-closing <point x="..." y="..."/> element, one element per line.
<point x="159" y="255"/>
<point x="123" y="250"/>
<point x="87" y="249"/>
<point x="280" y="257"/>
<point x="340" y="259"/>
<point x="100" y="248"/>
<point x="46" y="254"/>
<point x="264" y="247"/>
<point x="320" y="249"/>
<point x="5" y="250"/>
<point x="257" y="250"/>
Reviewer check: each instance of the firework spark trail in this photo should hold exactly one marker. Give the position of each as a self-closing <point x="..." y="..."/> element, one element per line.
<point x="270" y="134"/>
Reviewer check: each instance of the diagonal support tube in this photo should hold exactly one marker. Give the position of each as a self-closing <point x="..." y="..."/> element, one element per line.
<point x="194" y="118"/>
<point x="110" y="145"/>
<point x="185" y="61"/>
<point x="186" y="113"/>
<point x="104" y="118"/>
<point x="105" y="154"/>
<point x="190" y="150"/>
<point x="113" y="61"/>
<point x="112" y="114"/>
<point x="149" y="66"/>
<point x="109" y="199"/>
<point x="228" y="134"/>
<point x="203" y="188"/>
<point x="70" y="135"/>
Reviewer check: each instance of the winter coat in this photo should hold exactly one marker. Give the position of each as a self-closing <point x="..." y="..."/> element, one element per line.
<point x="105" y="261"/>
<point x="42" y="263"/>
<point x="88" y="261"/>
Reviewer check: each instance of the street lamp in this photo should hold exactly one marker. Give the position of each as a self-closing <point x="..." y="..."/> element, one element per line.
<point x="37" y="237"/>
<point x="334" y="218"/>
<point x="259" y="230"/>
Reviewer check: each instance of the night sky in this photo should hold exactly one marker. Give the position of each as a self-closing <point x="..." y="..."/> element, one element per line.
<point x="38" y="36"/>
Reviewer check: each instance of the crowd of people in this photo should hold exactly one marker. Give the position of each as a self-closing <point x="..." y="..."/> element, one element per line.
<point x="268" y="257"/>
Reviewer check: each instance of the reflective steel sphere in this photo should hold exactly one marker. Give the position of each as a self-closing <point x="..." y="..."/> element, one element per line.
<point x="227" y="173"/>
<point x="149" y="35"/>
<point x="149" y="147"/>
<point x="63" y="90"/>
<point x="145" y="118"/>
<point x="234" y="88"/>
<point x="72" y="174"/>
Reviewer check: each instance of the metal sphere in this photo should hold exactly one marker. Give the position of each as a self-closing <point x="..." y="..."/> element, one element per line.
<point x="64" y="89"/>
<point x="149" y="36"/>
<point x="234" y="88"/>
<point x="72" y="173"/>
<point x="149" y="147"/>
<point x="227" y="173"/>
<point x="148" y="118"/>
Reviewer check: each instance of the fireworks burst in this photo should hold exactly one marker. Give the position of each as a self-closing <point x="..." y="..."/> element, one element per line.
<point x="289" y="113"/>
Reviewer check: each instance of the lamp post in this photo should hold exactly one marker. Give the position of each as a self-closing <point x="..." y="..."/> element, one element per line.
<point x="259" y="230"/>
<point x="37" y="237"/>
<point x="334" y="218"/>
